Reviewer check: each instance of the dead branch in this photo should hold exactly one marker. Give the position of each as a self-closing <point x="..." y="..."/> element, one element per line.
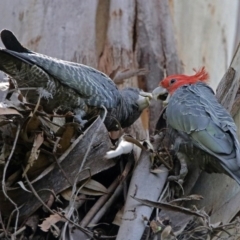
<point x="3" y="226"/>
<point x="228" y="87"/>
<point x="85" y="221"/>
<point x="143" y="184"/>
<point x="120" y="76"/>
<point x="161" y="58"/>
<point x="107" y="206"/>
<point x="51" y="211"/>
<point x="4" y="191"/>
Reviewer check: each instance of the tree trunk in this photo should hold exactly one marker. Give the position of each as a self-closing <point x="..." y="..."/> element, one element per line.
<point x="115" y="35"/>
<point x="206" y="34"/>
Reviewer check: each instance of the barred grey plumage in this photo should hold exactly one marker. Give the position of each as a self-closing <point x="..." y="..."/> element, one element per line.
<point x="195" y="115"/>
<point x="70" y="85"/>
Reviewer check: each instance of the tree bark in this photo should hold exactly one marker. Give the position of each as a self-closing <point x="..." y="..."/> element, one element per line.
<point x="156" y="48"/>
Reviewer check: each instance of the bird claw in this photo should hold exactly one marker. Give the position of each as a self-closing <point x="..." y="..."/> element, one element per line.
<point x="183" y="171"/>
<point x="183" y="162"/>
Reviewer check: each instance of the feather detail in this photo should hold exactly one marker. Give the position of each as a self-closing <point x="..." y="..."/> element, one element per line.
<point x="173" y="82"/>
<point x="202" y="75"/>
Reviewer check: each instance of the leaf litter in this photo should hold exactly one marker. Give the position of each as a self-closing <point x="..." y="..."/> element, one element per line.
<point x="41" y="146"/>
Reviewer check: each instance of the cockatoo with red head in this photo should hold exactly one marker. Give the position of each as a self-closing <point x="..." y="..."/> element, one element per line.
<point x="195" y="114"/>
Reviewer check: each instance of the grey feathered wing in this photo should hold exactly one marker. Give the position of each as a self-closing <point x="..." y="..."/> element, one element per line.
<point x="193" y="109"/>
<point x="95" y="87"/>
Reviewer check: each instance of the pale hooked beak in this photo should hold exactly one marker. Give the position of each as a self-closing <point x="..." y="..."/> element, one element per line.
<point x="161" y="93"/>
<point x="146" y="94"/>
<point x="144" y="100"/>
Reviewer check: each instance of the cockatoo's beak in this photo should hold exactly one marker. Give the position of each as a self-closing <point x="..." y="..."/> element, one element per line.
<point x="161" y="93"/>
<point x="146" y="94"/>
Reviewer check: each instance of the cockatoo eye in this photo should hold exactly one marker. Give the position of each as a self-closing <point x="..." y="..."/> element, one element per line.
<point x="172" y="81"/>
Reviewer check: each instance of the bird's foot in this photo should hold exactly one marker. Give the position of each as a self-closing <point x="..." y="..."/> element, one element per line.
<point x="183" y="162"/>
<point x="176" y="178"/>
<point x="183" y="170"/>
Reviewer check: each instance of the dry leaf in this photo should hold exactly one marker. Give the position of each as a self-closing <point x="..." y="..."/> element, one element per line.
<point x="66" y="132"/>
<point x="166" y="232"/>
<point x="155" y="226"/>
<point x="118" y="217"/>
<point x="51" y="125"/>
<point x="34" y="152"/>
<point x="21" y="184"/>
<point x="48" y="222"/>
<point x="91" y="192"/>
<point x="4" y="153"/>
<point x="39" y="166"/>
<point x="91" y="187"/>
<point x="9" y="111"/>
<point x="95" y="186"/>
<point x="59" y="121"/>
<point x="66" y="194"/>
<point x="169" y="207"/>
<point x="33" y="123"/>
<point x="158" y="170"/>
<point x="188" y="198"/>
<point x="14" y="104"/>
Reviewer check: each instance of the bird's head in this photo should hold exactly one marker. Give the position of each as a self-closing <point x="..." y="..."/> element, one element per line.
<point x="132" y="103"/>
<point x="144" y="99"/>
<point x="136" y="99"/>
<point x="171" y="83"/>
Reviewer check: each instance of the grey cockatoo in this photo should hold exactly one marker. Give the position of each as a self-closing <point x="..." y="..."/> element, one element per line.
<point x="194" y="113"/>
<point x="69" y="85"/>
